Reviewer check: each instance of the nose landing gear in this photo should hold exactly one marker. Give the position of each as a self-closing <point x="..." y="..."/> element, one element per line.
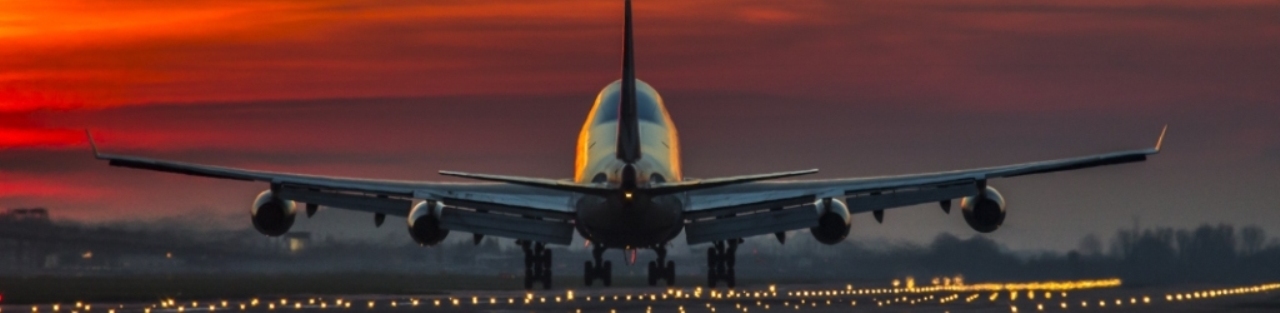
<point x="537" y="264"/>
<point x="720" y="261"/>
<point x="600" y="269"/>
<point x="662" y="269"/>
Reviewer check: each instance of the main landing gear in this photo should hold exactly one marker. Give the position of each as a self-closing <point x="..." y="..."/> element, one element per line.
<point x="537" y="264"/>
<point x="720" y="261"/>
<point x="602" y="270"/>
<point x="662" y="269"/>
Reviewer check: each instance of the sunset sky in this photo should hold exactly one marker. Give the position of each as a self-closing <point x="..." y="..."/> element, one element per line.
<point x="401" y="89"/>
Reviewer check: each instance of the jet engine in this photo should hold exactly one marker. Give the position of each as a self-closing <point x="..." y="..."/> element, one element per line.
<point x="984" y="212"/>
<point x="272" y="216"/>
<point x="833" y="221"/>
<point x="424" y="223"/>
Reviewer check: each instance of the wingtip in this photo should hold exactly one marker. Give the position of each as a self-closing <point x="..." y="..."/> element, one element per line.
<point x="1160" y="140"/>
<point x="92" y="145"/>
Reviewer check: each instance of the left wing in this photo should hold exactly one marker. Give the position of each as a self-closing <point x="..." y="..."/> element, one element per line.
<point x="716" y="208"/>
<point x="493" y="203"/>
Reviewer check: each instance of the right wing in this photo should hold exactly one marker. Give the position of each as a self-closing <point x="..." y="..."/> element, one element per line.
<point x="757" y="208"/>
<point x="481" y="208"/>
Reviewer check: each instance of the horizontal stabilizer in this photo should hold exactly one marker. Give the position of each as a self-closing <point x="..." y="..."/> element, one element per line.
<point x="532" y="182"/>
<point x="690" y="185"/>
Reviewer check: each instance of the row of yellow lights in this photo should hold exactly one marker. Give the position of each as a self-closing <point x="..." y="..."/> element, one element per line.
<point x="1176" y="297"/>
<point x="1207" y="294"/>
<point x="1195" y="295"/>
<point x="1030" y="289"/>
<point x="696" y="293"/>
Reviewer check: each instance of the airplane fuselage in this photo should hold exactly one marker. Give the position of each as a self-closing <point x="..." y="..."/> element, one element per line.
<point x="628" y="219"/>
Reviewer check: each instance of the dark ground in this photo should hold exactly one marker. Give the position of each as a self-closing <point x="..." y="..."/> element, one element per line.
<point x="277" y="294"/>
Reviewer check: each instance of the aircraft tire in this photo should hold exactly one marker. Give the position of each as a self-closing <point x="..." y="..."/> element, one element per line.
<point x="607" y="273"/>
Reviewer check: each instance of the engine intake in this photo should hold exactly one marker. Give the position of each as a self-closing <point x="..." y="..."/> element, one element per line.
<point x="834" y="221"/>
<point x="271" y="215"/>
<point x="424" y="223"/>
<point x="985" y="212"/>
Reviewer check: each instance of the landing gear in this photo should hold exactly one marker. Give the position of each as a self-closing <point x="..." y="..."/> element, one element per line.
<point x="661" y="269"/>
<point x="600" y="269"/>
<point x="537" y="264"/>
<point x="720" y="261"/>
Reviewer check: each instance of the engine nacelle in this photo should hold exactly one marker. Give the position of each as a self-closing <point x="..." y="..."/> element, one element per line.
<point x="272" y="216"/>
<point x="834" y="221"/>
<point x="424" y="223"/>
<point x="985" y="212"/>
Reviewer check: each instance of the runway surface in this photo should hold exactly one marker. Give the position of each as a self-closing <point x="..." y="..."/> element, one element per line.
<point x="1094" y="295"/>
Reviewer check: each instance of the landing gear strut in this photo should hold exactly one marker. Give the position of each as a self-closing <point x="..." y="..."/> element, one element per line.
<point x="601" y="269"/>
<point x="537" y="264"/>
<point x="662" y="269"/>
<point x="720" y="261"/>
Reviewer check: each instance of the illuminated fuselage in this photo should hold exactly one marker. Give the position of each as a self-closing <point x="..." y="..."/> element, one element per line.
<point x="628" y="219"/>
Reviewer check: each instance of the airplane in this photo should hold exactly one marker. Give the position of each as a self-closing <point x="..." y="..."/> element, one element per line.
<point x="628" y="192"/>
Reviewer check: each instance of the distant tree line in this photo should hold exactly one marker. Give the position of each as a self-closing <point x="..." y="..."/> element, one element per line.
<point x="1208" y="253"/>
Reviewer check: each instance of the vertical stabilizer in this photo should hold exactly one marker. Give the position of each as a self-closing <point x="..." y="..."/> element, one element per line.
<point x="628" y="122"/>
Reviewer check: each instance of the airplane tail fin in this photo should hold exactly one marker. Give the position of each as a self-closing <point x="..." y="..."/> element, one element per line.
<point x="628" y="120"/>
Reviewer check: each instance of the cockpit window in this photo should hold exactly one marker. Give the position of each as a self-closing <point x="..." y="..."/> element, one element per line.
<point x="647" y="108"/>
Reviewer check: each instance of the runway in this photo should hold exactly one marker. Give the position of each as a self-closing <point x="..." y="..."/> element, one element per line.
<point x="1093" y="295"/>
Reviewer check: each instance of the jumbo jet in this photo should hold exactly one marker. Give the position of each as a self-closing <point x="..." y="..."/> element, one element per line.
<point x="628" y="192"/>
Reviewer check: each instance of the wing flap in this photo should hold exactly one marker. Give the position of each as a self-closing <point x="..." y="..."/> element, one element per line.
<point x="755" y="206"/>
<point x="509" y="209"/>
<point x="508" y="226"/>
<point x="357" y="202"/>
<point x="880" y="200"/>
<point x="748" y="225"/>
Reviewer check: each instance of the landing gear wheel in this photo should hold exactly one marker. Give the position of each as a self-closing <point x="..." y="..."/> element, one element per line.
<point x="713" y="275"/>
<point x="653" y="273"/>
<point x="599" y="269"/>
<point x="671" y="273"/>
<point x="528" y="278"/>
<point x="537" y="264"/>
<point x="607" y="275"/>
<point x="729" y="278"/>
<point x="546" y="281"/>
<point x="721" y="260"/>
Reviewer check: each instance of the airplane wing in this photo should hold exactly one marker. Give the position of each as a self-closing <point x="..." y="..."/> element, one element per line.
<point x="758" y="208"/>
<point x="474" y="207"/>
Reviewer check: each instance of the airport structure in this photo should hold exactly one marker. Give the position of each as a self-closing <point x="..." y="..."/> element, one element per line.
<point x="629" y="193"/>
